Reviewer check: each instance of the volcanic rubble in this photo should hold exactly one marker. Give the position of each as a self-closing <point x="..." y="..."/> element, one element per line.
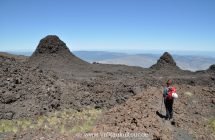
<point x="53" y="78"/>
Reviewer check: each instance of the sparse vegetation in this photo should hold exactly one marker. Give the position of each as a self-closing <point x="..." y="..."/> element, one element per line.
<point x="212" y="124"/>
<point x="66" y="121"/>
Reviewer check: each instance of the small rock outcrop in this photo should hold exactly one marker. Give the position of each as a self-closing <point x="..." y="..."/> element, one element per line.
<point x="211" y="68"/>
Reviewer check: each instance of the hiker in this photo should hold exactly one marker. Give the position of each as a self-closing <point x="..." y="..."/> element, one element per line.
<point x="168" y="99"/>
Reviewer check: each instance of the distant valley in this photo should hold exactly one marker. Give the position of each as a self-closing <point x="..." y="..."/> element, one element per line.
<point x="186" y="62"/>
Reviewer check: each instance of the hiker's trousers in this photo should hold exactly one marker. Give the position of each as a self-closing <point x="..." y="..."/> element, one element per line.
<point x="169" y="108"/>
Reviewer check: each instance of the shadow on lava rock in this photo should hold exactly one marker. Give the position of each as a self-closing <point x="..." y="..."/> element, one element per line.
<point x="160" y="115"/>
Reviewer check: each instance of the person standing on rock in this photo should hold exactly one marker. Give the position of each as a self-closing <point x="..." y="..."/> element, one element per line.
<point x="168" y="99"/>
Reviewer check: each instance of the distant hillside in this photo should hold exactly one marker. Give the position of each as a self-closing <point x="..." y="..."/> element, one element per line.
<point x="186" y="62"/>
<point x="21" y="53"/>
<point x="133" y="60"/>
<point x="12" y="56"/>
<point x="194" y="63"/>
<point x="92" y="56"/>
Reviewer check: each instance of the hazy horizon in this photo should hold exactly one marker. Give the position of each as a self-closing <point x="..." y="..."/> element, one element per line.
<point x="186" y="61"/>
<point x="130" y="52"/>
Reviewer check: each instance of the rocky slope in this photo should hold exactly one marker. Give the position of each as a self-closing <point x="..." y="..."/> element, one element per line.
<point x="26" y="91"/>
<point x="145" y="112"/>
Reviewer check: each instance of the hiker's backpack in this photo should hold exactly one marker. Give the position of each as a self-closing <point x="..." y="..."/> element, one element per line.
<point x="171" y="90"/>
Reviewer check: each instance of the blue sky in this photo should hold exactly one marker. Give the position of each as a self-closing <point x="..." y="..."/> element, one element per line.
<point x="133" y="25"/>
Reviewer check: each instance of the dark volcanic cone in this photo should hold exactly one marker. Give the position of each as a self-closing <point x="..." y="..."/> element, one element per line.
<point x="51" y="49"/>
<point x="51" y="45"/>
<point x="53" y="54"/>
<point x="166" y="60"/>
